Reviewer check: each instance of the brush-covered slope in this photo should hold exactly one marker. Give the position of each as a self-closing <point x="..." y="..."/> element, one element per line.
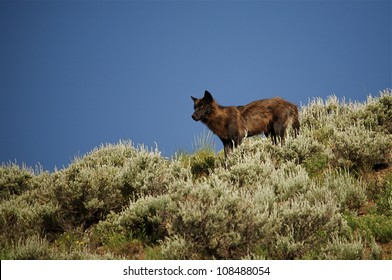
<point x="326" y="194"/>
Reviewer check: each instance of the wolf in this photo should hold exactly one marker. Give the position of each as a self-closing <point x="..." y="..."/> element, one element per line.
<point x="232" y="124"/>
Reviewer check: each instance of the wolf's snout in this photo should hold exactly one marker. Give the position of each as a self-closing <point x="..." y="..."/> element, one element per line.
<point x="194" y="117"/>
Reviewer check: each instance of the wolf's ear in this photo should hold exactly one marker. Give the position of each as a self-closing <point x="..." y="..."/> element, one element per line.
<point x="208" y="96"/>
<point x="193" y="98"/>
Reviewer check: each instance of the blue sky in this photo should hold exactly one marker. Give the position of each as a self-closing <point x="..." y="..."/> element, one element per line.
<point x="76" y="74"/>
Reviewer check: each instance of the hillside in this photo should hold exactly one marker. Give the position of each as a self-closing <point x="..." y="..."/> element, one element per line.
<point x="326" y="194"/>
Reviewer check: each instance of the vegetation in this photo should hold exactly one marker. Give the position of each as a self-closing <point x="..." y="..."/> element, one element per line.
<point x="326" y="194"/>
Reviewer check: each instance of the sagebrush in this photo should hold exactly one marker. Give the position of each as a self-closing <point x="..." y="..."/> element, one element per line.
<point x="326" y="194"/>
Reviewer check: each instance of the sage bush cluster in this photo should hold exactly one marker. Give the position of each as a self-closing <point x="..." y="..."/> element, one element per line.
<point x="325" y="194"/>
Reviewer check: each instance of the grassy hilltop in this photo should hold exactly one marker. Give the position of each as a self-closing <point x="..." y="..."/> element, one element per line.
<point x="326" y="194"/>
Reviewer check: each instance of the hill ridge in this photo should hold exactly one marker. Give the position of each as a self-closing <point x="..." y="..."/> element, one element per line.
<point x="326" y="194"/>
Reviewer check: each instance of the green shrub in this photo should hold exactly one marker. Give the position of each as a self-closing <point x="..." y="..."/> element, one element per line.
<point x="304" y="227"/>
<point x="31" y="248"/>
<point x="177" y="248"/>
<point x="144" y="174"/>
<point x="319" y="113"/>
<point x="378" y="227"/>
<point x="317" y="164"/>
<point x="89" y="189"/>
<point x="377" y="115"/>
<point x="384" y="197"/>
<point x="344" y="250"/>
<point x="247" y="169"/>
<point x="28" y="214"/>
<point x="86" y="195"/>
<point x="202" y="163"/>
<point x="362" y="150"/>
<point x="216" y="221"/>
<point x="14" y="180"/>
<point x="349" y="192"/>
<point x="144" y="219"/>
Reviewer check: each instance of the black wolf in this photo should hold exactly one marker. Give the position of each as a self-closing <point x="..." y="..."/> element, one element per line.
<point x="233" y="123"/>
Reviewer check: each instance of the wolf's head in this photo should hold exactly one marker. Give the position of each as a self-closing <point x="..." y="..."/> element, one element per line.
<point x="202" y="107"/>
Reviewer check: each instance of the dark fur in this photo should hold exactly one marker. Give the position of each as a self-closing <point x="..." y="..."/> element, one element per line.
<point x="233" y="123"/>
